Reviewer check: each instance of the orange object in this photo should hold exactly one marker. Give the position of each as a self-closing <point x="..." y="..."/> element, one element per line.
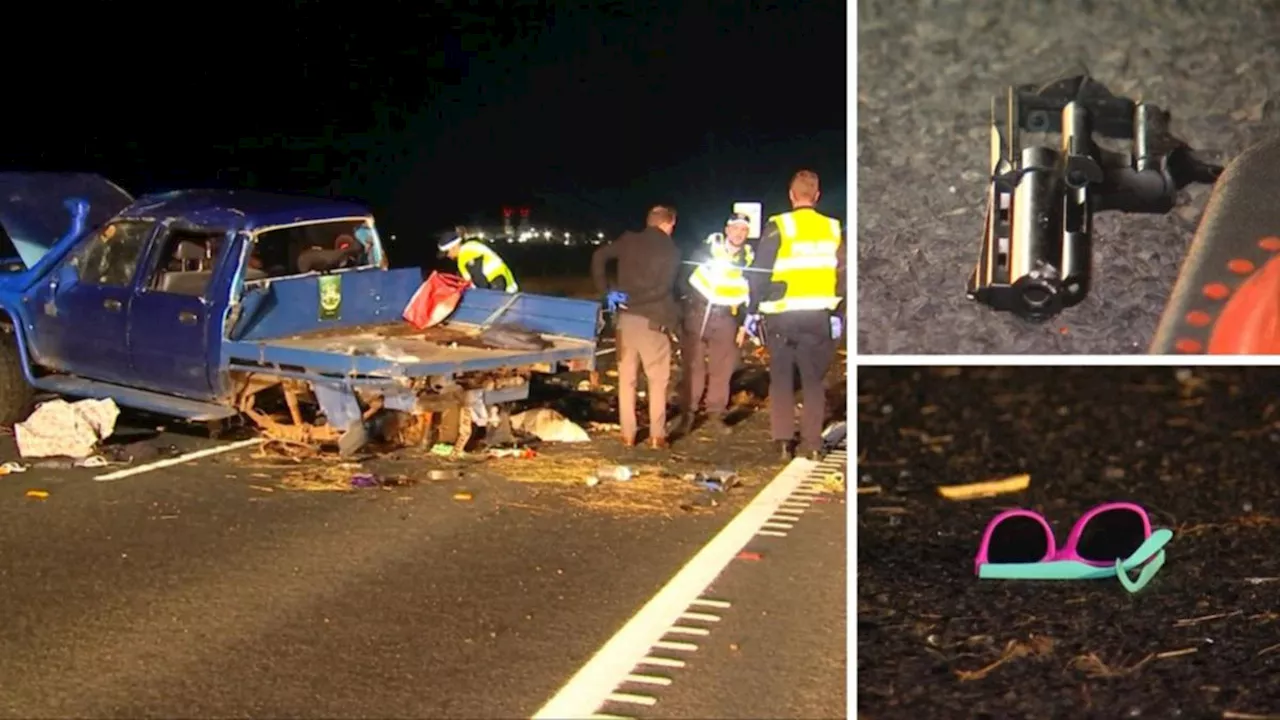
<point x="462" y="496"/>
<point x="37" y="494"/>
<point x="436" y="300"/>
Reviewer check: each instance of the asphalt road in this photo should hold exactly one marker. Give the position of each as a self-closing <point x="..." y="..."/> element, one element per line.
<point x="927" y="70"/>
<point x="1196" y="449"/>
<point x="212" y="589"/>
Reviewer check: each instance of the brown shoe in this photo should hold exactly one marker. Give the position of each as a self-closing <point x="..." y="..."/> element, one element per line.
<point x="628" y="441"/>
<point x="659" y="443"/>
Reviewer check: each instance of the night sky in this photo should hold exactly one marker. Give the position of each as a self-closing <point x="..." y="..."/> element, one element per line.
<point x="589" y="112"/>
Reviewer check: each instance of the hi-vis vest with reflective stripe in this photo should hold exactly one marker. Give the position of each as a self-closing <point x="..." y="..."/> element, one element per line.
<point x="491" y="265"/>
<point x="720" y="278"/>
<point x="807" y="262"/>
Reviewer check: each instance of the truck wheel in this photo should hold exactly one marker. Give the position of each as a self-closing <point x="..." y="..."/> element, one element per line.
<point x="15" y="394"/>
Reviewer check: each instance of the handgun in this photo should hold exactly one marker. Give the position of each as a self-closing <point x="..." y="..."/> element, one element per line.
<point x="1036" y="257"/>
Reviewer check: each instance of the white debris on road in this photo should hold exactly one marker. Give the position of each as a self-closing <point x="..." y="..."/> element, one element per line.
<point x="549" y="426"/>
<point x="61" y="429"/>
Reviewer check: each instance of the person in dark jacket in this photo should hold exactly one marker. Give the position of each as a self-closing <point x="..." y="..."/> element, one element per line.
<point x="648" y="263"/>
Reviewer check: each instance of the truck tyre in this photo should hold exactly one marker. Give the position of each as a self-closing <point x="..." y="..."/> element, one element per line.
<point x="15" y="393"/>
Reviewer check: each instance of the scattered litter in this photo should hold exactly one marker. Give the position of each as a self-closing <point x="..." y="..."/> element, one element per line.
<point x="617" y="473"/>
<point x="1261" y="580"/>
<point x="365" y="480"/>
<point x="603" y="427"/>
<point x="833" y="482"/>
<point x="1176" y="653"/>
<point x="60" y="428"/>
<point x="1188" y="622"/>
<point x="748" y="555"/>
<point x="523" y="453"/>
<point x="549" y="426"/>
<point x="870" y="490"/>
<point x="37" y="494"/>
<point x="94" y="461"/>
<point x="12" y="467"/>
<point x="887" y="510"/>
<point x="462" y="496"/>
<point x="444" y="449"/>
<point x="440" y="475"/>
<point x="716" y="481"/>
<point x="1036" y="646"/>
<point x="987" y="489"/>
<point x="262" y="488"/>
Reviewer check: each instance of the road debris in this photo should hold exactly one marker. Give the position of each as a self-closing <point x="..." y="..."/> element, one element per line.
<point x="463" y="496"/>
<point x="37" y="494"/>
<point x="12" y="467"/>
<point x="715" y="481"/>
<point x="749" y="555"/>
<point x="1036" y="646"/>
<point x="990" y="488"/>
<point x="549" y="425"/>
<point x="58" y="428"/>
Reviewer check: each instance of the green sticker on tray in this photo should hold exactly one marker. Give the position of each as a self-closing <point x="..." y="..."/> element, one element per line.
<point x="330" y="296"/>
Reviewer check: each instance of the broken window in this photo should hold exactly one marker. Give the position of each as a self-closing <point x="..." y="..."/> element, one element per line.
<point x="316" y="247"/>
<point x="110" y="256"/>
<point x="186" y="262"/>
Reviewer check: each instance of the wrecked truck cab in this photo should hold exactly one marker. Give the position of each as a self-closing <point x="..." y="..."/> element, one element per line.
<point x="206" y="305"/>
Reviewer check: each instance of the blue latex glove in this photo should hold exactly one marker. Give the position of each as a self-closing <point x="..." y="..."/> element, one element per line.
<point x="752" y="325"/>
<point x="837" y="327"/>
<point x="616" y="300"/>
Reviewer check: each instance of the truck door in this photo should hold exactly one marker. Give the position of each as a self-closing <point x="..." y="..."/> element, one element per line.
<point x="169" y="320"/>
<point x="82" y="312"/>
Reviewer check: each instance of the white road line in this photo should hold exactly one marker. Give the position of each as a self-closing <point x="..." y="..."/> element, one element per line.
<point x="648" y="679"/>
<point x="704" y="617"/>
<point x="778" y="525"/>
<point x="588" y="690"/>
<point x="661" y="662"/>
<point x="675" y="645"/>
<point x="707" y="602"/>
<point x="632" y="698"/>
<point x="788" y="513"/>
<point x="686" y="630"/>
<point x="170" y="462"/>
<point x="602" y="353"/>
<point x="772" y="533"/>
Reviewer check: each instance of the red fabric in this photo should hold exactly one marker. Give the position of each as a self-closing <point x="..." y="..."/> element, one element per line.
<point x="435" y="301"/>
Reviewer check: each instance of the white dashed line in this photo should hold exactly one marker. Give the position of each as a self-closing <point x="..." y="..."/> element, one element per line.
<point x="598" y="681"/>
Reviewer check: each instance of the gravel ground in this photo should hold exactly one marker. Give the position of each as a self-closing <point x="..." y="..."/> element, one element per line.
<point x="927" y="70"/>
<point x="1196" y="449"/>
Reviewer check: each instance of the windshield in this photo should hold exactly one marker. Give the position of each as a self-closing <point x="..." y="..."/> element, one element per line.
<point x="314" y="247"/>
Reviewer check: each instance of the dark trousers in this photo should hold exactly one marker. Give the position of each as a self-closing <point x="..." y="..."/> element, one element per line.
<point x="709" y="358"/>
<point x="799" y="340"/>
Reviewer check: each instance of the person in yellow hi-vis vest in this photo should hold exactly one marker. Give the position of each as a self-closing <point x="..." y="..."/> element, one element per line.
<point x="796" y="304"/>
<point x="712" y="310"/>
<point x="478" y="262"/>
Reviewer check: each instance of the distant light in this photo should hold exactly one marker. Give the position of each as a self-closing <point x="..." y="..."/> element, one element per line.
<point x="546" y="235"/>
<point x="566" y="242"/>
<point x="599" y="236"/>
<point x="480" y="235"/>
<point x="510" y="240"/>
<point x="566" y="236"/>
<point x="596" y="242"/>
<point x="392" y="238"/>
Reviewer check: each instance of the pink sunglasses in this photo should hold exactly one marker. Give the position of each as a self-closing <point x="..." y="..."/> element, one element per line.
<point x="1095" y="556"/>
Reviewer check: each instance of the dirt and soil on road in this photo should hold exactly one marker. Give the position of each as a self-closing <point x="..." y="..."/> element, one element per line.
<point x="1196" y="448"/>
